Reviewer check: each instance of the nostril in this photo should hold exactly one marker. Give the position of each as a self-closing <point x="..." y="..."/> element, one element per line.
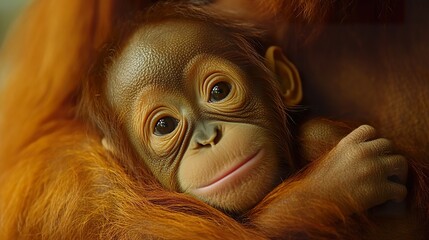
<point x="208" y="138"/>
<point x="218" y="136"/>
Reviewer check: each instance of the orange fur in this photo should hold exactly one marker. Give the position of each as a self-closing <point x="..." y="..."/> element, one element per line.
<point x="57" y="182"/>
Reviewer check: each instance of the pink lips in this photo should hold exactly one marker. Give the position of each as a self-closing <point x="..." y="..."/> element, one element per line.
<point x="233" y="173"/>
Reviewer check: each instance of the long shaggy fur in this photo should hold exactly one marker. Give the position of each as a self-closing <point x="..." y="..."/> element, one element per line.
<point x="58" y="182"/>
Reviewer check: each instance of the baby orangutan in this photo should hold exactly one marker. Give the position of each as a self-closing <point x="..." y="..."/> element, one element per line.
<point x="190" y="97"/>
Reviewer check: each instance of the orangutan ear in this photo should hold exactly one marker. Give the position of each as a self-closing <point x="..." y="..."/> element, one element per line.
<point x="286" y="74"/>
<point x="107" y="145"/>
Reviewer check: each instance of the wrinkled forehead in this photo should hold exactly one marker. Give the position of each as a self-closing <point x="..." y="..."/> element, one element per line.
<point x="158" y="54"/>
<point x="178" y="38"/>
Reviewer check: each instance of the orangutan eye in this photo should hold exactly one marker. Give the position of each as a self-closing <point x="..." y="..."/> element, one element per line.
<point x="165" y="126"/>
<point x="219" y="91"/>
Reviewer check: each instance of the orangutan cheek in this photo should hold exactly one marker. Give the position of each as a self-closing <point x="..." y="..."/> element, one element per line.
<point x="236" y="172"/>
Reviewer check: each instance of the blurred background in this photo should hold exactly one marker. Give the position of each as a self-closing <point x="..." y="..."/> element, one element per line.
<point x="9" y="9"/>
